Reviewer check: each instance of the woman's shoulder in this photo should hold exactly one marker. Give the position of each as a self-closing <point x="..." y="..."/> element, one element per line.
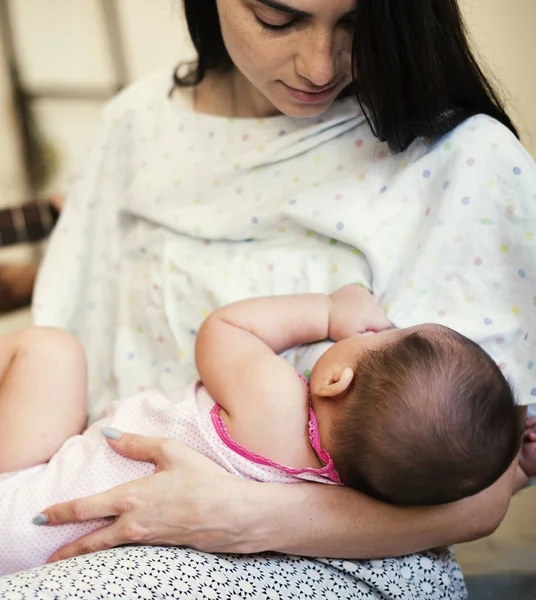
<point x="485" y="137"/>
<point x="481" y="151"/>
<point x="143" y="97"/>
<point x="489" y="154"/>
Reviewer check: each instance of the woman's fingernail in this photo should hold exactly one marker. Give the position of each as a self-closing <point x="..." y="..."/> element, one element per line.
<point x="40" y="519"/>
<point x="112" y="433"/>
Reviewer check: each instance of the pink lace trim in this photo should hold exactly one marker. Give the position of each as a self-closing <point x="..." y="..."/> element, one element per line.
<point x="328" y="470"/>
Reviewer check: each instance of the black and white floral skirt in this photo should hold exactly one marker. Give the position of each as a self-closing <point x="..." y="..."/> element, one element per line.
<point x="145" y="572"/>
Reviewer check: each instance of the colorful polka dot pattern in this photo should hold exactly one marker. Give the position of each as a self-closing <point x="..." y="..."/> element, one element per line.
<point x="176" y="213"/>
<point x="445" y="249"/>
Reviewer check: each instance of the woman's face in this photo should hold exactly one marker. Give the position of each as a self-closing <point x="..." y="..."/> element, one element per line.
<point x="296" y="54"/>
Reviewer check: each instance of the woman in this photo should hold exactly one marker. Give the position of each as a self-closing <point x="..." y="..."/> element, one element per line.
<point x="258" y="174"/>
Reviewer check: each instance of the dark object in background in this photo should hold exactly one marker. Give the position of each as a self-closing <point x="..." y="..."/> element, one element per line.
<point x="16" y="285"/>
<point x="27" y="223"/>
<point x="502" y="587"/>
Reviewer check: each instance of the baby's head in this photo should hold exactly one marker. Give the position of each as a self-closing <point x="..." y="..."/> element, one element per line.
<point x="423" y="416"/>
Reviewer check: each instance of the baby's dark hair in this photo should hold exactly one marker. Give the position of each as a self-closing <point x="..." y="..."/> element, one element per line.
<point x="428" y="419"/>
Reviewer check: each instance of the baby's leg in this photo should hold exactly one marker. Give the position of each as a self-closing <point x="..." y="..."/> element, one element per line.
<point x="42" y="395"/>
<point x="85" y="465"/>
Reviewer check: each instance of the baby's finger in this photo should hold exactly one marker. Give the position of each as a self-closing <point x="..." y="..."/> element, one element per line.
<point x="530" y="435"/>
<point x="530" y="423"/>
<point x="528" y="458"/>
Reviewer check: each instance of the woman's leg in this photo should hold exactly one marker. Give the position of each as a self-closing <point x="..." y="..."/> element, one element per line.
<point x="42" y="395"/>
<point x="146" y="572"/>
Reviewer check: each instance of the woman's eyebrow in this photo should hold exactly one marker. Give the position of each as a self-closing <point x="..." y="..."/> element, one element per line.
<point x="275" y="5"/>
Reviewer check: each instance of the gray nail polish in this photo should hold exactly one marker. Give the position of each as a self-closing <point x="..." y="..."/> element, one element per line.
<point x="40" y="519"/>
<point x="112" y="433"/>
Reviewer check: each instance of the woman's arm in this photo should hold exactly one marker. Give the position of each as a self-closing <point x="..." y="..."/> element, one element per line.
<point x="192" y="502"/>
<point x="324" y="521"/>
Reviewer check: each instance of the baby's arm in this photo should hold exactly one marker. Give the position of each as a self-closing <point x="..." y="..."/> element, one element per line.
<point x="237" y="358"/>
<point x="42" y="395"/>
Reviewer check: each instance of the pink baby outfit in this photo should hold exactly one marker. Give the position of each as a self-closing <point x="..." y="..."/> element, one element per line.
<point x="85" y="465"/>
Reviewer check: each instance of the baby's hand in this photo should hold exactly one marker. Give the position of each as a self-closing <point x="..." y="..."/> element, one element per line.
<point x="355" y="310"/>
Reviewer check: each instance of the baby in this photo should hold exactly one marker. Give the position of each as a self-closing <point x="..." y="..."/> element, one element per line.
<point x="410" y="416"/>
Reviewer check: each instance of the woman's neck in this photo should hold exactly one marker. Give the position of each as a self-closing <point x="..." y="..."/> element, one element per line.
<point x="230" y="94"/>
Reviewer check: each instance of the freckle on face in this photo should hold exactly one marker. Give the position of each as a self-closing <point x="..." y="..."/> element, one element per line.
<point x="269" y="60"/>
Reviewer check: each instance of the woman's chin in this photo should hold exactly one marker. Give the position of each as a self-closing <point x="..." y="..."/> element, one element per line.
<point x="296" y="110"/>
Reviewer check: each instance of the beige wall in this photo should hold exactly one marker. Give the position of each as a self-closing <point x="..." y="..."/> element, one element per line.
<point x="63" y="43"/>
<point x="503" y="32"/>
<point x="10" y="166"/>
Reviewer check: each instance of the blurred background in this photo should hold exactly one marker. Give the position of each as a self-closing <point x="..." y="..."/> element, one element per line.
<point x="61" y="60"/>
<point x="67" y="57"/>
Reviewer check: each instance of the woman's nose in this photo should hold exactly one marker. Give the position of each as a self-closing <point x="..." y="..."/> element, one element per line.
<point x="317" y="59"/>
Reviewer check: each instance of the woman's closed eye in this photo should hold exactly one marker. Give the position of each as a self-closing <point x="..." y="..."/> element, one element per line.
<point x="285" y="26"/>
<point x="347" y="23"/>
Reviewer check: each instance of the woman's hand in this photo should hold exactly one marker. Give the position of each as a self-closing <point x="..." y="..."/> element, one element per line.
<point x="189" y="501"/>
<point x="192" y="502"/>
<point x="354" y="309"/>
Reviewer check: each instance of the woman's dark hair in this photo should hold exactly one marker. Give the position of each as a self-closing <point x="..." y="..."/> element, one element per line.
<point x="414" y="72"/>
<point x="204" y="27"/>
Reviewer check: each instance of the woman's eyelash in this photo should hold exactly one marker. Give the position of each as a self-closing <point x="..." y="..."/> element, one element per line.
<point x="348" y="23"/>
<point x="270" y="27"/>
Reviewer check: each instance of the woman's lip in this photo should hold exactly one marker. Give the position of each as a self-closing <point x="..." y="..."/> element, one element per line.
<point x="311" y="97"/>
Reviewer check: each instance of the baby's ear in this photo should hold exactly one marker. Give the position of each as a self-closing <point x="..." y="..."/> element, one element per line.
<point x="338" y="383"/>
